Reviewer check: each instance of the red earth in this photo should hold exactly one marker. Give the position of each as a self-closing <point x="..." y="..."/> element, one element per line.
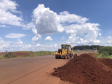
<point x="22" y="53"/>
<point x="86" y="69"/>
<point x="19" y="53"/>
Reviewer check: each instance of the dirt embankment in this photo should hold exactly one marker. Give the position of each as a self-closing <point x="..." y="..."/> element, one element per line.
<point x="107" y="62"/>
<point x="22" y="53"/>
<point x="86" y="69"/>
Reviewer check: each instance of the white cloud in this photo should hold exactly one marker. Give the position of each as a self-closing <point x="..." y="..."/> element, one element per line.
<point x="20" y="46"/>
<point x="49" y="22"/>
<point x="1" y="41"/>
<point x="82" y="41"/>
<point x="106" y="41"/>
<point x="34" y="31"/>
<point x="36" y="38"/>
<point x="70" y="31"/>
<point x="67" y="17"/>
<point x="48" y="38"/>
<point x="55" y="45"/>
<point x="38" y="44"/>
<point x="87" y="30"/>
<point x="46" y="20"/>
<point x="8" y="5"/>
<point x="15" y="35"/>
<point x="19" y="42"/>
<point x="3" y="26"/>
<point x="29" y="26"/>
<point x="72" y="38"/>
<point x="7" y="16"/>
<point x="97" y="41"/>
<point x="4" y="44"/>
<point x="46" y="47"/>
<point x="100" y="34"/>
<point x="109" y="37"/>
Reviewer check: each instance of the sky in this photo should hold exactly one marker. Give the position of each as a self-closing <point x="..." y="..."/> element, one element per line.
<point x="35" y="25"/>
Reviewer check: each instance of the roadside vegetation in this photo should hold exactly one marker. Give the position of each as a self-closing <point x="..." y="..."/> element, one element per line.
<point x="42" y="53"/>
<point x="104" y="52"/>
<point x="19" y="54"/>
<point x="1" y="56"/>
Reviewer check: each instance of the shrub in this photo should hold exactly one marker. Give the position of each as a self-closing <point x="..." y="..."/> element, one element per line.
<point x="9" y="55"/>
<point x="26" y="55"/>
<point x="105" y="51"/>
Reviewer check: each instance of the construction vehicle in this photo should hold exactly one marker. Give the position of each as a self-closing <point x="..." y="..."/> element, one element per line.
<point x="64" y="52"/>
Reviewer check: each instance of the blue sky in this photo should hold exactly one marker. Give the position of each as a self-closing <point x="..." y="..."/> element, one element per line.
<point x="45" y="24"/>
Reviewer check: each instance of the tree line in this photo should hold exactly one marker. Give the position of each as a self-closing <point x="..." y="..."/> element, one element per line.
<point x="87" y="47"/>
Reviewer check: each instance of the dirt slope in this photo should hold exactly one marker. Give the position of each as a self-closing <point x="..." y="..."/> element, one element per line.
<point x="85" y="69"/>
<point x="107" y="62"/>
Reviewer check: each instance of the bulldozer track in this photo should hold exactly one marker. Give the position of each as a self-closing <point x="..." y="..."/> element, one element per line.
<point x="32" y="72"/>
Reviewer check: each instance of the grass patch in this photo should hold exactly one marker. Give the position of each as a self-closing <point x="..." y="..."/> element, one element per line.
<point x="110" y="56"/>
<point x="98" y="55"/>
<point x="24" y="51"/>
<point x="1" y="57"/>
<point x="42" y="53"/>
<point x="105" y="52"/>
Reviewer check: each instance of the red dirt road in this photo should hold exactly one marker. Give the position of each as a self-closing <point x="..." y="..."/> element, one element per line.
<point x="30" y="70"/>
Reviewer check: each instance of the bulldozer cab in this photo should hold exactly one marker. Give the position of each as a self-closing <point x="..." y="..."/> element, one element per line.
<point x="66" y="47"/>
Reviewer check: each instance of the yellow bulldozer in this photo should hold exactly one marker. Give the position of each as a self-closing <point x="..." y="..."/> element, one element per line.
<point x="64" y="52"/>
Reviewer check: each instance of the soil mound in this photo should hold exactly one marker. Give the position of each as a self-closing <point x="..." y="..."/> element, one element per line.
<point x="107" y="62"/>
<point x="84" y="69"/>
